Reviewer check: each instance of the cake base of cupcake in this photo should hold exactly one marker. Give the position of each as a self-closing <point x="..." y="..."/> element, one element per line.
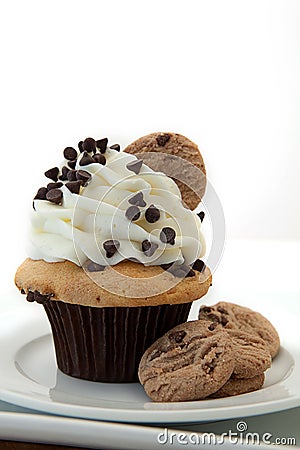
<point x="106" y="344"/>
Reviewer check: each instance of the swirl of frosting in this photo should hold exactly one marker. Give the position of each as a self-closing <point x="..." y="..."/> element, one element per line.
<point x="153" y="228"/>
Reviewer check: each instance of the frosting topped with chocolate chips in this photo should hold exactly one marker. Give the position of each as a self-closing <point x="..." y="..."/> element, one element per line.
<point x="104" y="206"/>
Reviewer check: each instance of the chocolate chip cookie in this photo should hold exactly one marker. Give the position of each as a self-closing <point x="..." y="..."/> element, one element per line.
<point x="176" y="156"/>
<point x="189" y="362"/>
<point x="237" y="317"/>
<point x="239" y="386"/>
<point x="252" y="356"/>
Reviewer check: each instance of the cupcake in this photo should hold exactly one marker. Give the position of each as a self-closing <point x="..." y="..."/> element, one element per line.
<point x="114" y="259"/>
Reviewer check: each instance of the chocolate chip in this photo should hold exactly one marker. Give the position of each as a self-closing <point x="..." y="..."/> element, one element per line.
<point x="177" y="336"/>
<point x="213" y="317"/>
<point x="41" y="298"/>
<point x="212" y="326"/>
<point x="162" y="139"/>
<point x="100" y="159"/>
<point x="80" y="146"/>
<point x="181" y="271"/>
<point x="146" y="245"/>
<point x="89" y="145"/>
<point x="199" y="265"/>
<point x="70" y="153"/>
<point x="94" y="267"/>
<point x="133" y="213"/>
<point x="137" y="199"/>
<point x="135" y="166"/>
<point x="205" y="309"/>
<point x="41" y="194"/>
<point x="224" y="321"/>
<point x="149" y="247"/>
<point x="73" y="186"/>
<point x="71" y="176"/>
<point x="102" y="144"/>
<point x="86" y="159"/>
<point x="111" y="246"/>
<point x="72" y="164"/>
<point x="54" y="196"/>
<point x="201" y="215"/>
<point x="190" y="273"/>
<point x="83" y="176"/>
<point x="152" y="214"/>
<point x="56" y="185"/>
<point x="30" y="296"/>
<point x="115" y="147"/>
<point x="52" y="173"/>
<point x="178" y="270"/>
<point x="167" y="235"/>
<point x="64" y="173"/>
<point x="222" y="310"/>
<point x="22" y="291"/>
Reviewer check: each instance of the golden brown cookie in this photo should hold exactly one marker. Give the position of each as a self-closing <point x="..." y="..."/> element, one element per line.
<point x="189" y="362"/>
<point x="125" y="284"/>
<point x="233" y="316"/>
<point x="240" y="386"/>
<point x="176" y="156"/>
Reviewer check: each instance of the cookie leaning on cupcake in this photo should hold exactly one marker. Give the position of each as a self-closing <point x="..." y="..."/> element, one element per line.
<point x="114" y="259"/>
<point x="176" y="156"/>
<point x="206" y="359"/>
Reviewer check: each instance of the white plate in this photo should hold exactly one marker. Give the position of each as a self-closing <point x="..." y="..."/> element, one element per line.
<point x="29" y="377"/>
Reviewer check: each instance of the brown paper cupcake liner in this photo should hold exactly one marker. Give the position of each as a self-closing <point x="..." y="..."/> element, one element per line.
<point x="106" y="344"/>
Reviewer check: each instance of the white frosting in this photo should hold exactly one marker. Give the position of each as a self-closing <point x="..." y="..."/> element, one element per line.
<point x="76" y="230"/>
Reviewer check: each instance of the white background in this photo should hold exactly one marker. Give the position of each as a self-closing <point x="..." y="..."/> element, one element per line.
<point x="224" y="73"/>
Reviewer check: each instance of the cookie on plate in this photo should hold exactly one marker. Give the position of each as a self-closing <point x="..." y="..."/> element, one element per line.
<point x="239" y="386"/>
<point x="252" y="356"/>
<point x="233" y="316"/>
<point x="176" y="156"/>
<point x="190" y="362"/>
